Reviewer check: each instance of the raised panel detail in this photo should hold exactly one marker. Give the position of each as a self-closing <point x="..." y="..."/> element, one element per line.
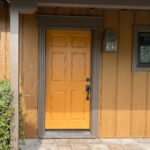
<point x="58" y="41"/>
<point x="58" y="66"/>
<point x="79" y="41"/>
<point x="78" y="67"/>
<point x="67" y="66"/>
<point x="77" y="105"/>
<point x="58" y="105"/>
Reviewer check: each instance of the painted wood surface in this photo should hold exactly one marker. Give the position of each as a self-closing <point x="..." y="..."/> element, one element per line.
<point x="4" y="43"/>
<point x="67" y="67"/>
<point x="125" y="96"/>
<point x="109" y="80"/>
<point x="140" y="90"/>
<point x="29" y="72"/>
<point x="123" y="104"/>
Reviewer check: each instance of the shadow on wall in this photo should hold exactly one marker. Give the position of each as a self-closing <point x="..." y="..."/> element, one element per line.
<point x="30" y="127"/>
<point x="29" y="104"/>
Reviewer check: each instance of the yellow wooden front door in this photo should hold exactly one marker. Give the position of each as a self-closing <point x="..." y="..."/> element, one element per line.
<point x="68" y="57"/>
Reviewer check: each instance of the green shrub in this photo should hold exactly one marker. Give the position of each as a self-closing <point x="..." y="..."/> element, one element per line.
<point x="21" y="122"/>
<point x="6" y="112"/>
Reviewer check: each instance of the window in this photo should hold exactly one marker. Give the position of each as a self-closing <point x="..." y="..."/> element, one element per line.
<point x="141" y="48"/>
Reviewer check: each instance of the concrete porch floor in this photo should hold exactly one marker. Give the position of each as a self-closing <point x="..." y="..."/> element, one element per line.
<point x="88" y="144"/>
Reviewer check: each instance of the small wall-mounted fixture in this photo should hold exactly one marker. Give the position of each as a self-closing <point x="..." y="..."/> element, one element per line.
<point x="110" y="41"/>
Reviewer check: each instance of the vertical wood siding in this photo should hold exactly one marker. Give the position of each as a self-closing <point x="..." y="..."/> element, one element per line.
<point x="29" y="72"/>
<point x="123" y="107"/>
<point x="139" y="92"/>
<point x="109" y="81"/>
<point x="124" y="96"/>
<point x="4" y="43"/>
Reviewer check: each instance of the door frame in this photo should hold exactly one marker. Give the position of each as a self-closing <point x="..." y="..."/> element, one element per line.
<point x="92" y="24"/>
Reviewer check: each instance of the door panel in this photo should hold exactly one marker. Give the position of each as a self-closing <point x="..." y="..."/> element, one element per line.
<point x="77" y="99"/>
<point x="58" y="112"/>
<point x="78" y="67"/>
<point x="67" y="66"/>
<point x="58" y="66"/>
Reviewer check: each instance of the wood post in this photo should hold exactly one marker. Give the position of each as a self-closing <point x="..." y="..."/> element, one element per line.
<point x="15" y="8"/>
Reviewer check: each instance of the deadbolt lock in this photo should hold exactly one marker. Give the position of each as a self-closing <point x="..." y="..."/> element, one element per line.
<point x="87" y="79"/>
<point x="88" y="92"/>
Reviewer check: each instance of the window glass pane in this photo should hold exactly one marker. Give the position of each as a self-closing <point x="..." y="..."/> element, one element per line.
<point x="144" y="48"/>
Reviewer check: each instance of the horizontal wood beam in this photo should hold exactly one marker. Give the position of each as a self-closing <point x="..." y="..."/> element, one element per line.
<point x="91" y="2"/>
<point x="105" y="4"/>
<point x="101" y="2"/>
<point x="114" y="7"/>
<point x="4" y="3"/>
<point x="70" y="21"/>
<point x="23" y="6"/>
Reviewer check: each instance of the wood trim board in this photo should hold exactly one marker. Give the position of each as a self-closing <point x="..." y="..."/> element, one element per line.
<point x="14" y="75"/>
<point x="75" y="23"/>
<point x="105" y="4"/>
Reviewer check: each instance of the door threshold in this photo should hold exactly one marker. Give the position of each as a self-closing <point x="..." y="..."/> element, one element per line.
<point x="68" y="134"/>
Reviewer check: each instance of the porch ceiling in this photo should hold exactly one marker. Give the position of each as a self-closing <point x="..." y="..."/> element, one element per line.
<point x="105" y="4"/>
<point x="4" y="3"/>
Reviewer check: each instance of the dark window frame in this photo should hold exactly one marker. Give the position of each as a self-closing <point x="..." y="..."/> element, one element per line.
<point x="136" y="65"/>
